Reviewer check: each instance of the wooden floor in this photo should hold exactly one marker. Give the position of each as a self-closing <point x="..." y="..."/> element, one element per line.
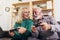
<point x="5" y="39"/>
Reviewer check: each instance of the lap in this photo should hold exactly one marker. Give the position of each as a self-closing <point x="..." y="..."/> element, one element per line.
<point x="32" y="38"/>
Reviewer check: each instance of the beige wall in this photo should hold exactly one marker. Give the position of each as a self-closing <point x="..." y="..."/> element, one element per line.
<point x="5" y="17"/>
<point x="57" y="9"/>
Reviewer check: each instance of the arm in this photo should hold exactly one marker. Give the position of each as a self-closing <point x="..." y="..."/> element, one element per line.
<point x="55" y="28"/>
<point x="35" y="32"/>
<point x="17" y="25"/>
<point x="12" y="32"/>
<point x="52" y="21"/>
<point x="54" y="25"/>
<point x="28" y="29"/>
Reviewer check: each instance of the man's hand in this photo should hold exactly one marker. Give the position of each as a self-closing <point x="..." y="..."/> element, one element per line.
<point x="45" y="26"/>
<point x="11" y="34"/>
<point x="34" y="28"/>
<point x="22" y="30"/>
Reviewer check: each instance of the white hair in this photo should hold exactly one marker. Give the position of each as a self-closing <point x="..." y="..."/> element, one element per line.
<point x="39" y="8"/>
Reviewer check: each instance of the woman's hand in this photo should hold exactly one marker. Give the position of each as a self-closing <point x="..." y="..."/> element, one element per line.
<point x="22" y="30"/>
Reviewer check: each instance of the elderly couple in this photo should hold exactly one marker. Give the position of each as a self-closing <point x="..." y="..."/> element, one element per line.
<point x="42" y="27"/>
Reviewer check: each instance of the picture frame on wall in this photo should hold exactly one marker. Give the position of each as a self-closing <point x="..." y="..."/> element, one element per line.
<point x="7" y="9"/>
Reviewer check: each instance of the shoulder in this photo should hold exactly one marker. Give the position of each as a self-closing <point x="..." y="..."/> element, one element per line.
<point x="47" y="16"/>
<point x="30" y="20"/>
<point x="16" y="23"/>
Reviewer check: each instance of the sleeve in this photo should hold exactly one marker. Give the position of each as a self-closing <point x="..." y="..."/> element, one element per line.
<point x="17" y="25"/>
<point x="28" y="32"/>
<point x="36" y="33"/>
<point x="53" y="21"/>
<point x="55" y="28"/>
<point x="54" y="25"/>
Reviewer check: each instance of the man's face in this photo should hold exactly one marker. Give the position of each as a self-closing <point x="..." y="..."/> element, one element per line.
<point x="37" y="12"/>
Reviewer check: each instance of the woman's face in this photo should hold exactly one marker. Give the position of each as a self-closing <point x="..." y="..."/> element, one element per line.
<point x="25" y="15"/>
